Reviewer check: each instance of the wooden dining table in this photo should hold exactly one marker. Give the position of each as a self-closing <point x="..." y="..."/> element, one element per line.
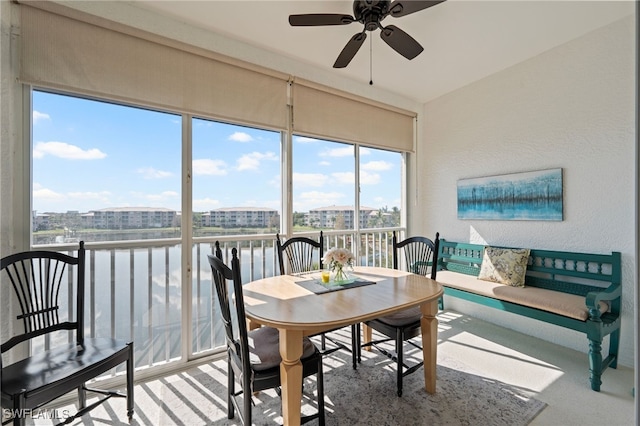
<point x="286" y="302"/>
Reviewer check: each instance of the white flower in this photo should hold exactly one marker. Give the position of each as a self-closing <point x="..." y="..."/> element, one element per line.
<point x="338" y="258"/>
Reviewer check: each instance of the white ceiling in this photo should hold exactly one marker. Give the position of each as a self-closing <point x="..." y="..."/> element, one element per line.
<point x="463" y="40"/>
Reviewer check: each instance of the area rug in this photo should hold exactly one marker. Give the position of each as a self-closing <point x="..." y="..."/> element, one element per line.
<point x="365" y="396"/>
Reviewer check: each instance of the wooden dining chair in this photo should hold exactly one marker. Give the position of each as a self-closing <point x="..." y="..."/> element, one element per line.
<point x="49" y="291"/>
<point x="419" y="256"/>
<point x="253" y="357"/>
<point x="299" y="254"/>
<point x="302" y="254"/>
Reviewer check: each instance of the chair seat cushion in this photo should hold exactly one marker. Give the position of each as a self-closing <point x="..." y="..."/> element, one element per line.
<point x="264" y="346"/>
<point x="402" y="318"/>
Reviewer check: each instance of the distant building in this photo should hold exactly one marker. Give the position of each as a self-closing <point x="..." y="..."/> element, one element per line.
<point x="41" y="222"/>
<point x="130" y="218"/>
<point x="53" y="220"/>
<point x="234" y="217"/>
<point x="338" y="217"/>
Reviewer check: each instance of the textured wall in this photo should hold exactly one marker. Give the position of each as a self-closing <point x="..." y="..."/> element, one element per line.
<point x="571" y="108"/>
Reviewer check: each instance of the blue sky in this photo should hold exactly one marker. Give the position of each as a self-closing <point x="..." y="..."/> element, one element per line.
<point x="89" y="155"/>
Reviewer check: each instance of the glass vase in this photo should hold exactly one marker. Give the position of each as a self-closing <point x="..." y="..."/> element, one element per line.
<point x="340" y="274"/>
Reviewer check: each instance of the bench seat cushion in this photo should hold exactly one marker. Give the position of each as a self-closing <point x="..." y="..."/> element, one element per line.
<point x="564" y="304"/>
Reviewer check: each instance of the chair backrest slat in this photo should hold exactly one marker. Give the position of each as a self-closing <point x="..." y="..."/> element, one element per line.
<point x="420" y="254"/>
<point x="299" y="252"/>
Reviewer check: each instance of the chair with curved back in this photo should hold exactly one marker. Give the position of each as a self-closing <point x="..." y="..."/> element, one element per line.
<point x="253" y="357"/>
<point x="299" y="252"/>
<point x="302" y="255"/>
<point x="420" y="256"/>
<point x="49" y="291"/>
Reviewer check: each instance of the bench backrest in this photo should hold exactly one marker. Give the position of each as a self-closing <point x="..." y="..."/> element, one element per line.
<point x="568" y="272"/>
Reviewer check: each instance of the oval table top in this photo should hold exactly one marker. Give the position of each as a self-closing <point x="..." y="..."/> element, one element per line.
<point x="282" y="303"/>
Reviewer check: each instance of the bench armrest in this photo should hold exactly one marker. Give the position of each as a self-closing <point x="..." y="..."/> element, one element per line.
<point x="613" y="292"/>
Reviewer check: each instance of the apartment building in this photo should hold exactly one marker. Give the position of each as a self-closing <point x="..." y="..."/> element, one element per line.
<point x="232" y="217"/>
<point x="339" y="217"/>
<point x="130" y="218"/>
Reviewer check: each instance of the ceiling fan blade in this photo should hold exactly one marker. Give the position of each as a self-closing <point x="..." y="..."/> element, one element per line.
<point x="400" y="41"/>
<point x="401" y="8"/>
<point x="350" y="50"/>
<point x="314" y="19"/>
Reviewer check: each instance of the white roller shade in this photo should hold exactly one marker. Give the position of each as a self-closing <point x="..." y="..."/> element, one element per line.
<point x="65" y="53"/>
<point x="325" y="112"/>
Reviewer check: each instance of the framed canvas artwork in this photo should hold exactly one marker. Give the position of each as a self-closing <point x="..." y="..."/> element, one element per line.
<point x="518" y="196"/>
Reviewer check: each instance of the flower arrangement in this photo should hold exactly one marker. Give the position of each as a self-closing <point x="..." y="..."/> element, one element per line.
<point x="336" y="259"/>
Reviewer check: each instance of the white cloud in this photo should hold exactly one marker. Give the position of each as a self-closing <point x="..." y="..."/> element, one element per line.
<point x="252" y="161"/>
<point x="241" y="137"/>
<point x="346" y="151"/>
<point x="66" y="151"/>
<point x="313" y="199"/>
<point x="40" y="116"/>
<point x="205" y="204"/>
<point x="46" y="199"/>
<point x="273" y="204"/>
<point x="201" y="123"/>
<point x="151" y="173"/>
<point x="377" y="166"/>
<point x="275" y="181"/>
<point x="367" y="178"/>
<point x="321" y="195"/>
<point x="324" y="163"/>
<point x="162" y="197"/>
<point x="344" y="178"/>
<point x="168" y="199"/>
<point x="102" y="196"/>
<point x="304" y="139"/>
<point x="208" y="167"/>
<point x="303" y="180"/>
<point x="46" y="194"/>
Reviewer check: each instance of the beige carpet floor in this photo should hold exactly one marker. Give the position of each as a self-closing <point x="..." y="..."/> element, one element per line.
<point x="363" y="396"/>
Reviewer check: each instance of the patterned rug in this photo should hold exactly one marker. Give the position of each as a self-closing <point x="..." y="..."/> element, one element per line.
<point x="365" y="396"/>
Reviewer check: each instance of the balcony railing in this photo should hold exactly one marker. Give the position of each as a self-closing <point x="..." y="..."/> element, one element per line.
<point x="134" y="288"/>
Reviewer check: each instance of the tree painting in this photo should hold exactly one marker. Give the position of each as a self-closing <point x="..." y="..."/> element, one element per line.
<point x="520" y="196"/>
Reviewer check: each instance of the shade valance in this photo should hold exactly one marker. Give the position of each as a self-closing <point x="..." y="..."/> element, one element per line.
<point x="63" y="48"/>
<point x="61" y="52"/>
<point x="326" y="112"/>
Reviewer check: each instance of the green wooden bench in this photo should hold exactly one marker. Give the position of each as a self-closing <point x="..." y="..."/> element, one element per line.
<point x="594" y="278"/>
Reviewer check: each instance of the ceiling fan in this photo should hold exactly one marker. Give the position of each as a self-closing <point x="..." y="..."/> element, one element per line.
<point x="370" y="13"/>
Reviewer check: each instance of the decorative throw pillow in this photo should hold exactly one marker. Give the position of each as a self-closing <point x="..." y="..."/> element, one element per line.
<point x="504" y="265"/>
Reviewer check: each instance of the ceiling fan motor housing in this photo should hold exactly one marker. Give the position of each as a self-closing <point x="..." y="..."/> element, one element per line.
<point x="370" y="12"/>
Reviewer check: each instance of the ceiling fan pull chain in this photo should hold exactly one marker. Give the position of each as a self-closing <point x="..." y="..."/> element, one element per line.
<point x="371" y="61"/>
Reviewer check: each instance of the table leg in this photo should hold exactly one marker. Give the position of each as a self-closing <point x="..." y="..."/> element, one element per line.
<point x="291" y="375"/>
<point x="429" y="326"/>
<point x="367" y="333"/>
<point x="252" y="325"/>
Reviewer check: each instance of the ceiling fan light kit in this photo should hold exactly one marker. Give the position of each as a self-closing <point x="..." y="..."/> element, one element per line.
<point x="370" y="13"/>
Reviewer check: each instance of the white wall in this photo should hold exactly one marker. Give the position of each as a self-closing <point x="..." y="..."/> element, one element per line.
<point x="571" y="108"/>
